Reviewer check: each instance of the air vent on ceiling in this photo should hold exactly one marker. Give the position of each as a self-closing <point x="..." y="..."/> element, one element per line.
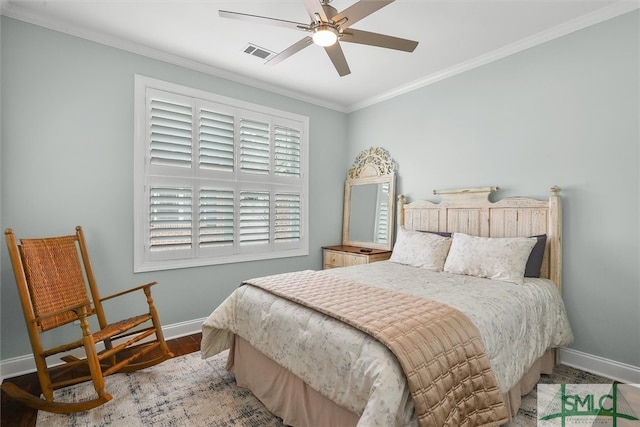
<point x="261" y="53"/>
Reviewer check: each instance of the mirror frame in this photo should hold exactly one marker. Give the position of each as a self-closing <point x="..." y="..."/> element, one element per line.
<point x="373" y="166"/>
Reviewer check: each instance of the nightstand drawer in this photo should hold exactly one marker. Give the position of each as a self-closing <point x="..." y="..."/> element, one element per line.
<point x="344" y="256"/>
<point x="333" y="259"/>
<point x="353" y="259"/>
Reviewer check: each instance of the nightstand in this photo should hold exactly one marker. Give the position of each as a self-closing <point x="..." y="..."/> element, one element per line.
<point x="344" y="256"/>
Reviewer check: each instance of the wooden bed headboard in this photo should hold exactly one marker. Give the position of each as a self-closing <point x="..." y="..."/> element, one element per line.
<point x="470" y="211"/>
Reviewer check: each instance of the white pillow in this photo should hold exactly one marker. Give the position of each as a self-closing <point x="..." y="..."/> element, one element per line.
<point x="420" y="249"/>
<point x="495" y="258"/>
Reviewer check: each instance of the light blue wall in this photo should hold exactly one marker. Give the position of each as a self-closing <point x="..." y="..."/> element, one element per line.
<point x="67" y="143"/>
<point x="564" y="113"/>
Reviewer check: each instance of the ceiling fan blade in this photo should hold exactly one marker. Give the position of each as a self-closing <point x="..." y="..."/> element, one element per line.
<point x="379" y="40"/>
<point x="264" y="20"/>
<point x="315" y="8"/>
<point x="294" y="48"/>
<point x="358" y="11"/>
<point x="337" y="57"/>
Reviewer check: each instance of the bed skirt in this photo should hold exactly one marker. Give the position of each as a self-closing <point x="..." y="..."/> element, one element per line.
<point x="288" y="397"/>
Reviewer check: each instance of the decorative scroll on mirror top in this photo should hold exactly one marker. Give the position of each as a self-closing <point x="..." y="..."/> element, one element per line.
<point x="372" y="162"/>
<point x="370" y="201"/>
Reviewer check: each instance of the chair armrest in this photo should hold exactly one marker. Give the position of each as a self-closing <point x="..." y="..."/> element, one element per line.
<point x="64" y="310"/>
<point x="128" y="291"/>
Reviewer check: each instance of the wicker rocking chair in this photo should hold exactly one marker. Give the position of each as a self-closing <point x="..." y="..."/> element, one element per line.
<point x="56" y="287"/>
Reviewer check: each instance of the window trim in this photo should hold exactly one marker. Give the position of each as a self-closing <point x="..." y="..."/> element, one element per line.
<point x="140" y="205"/>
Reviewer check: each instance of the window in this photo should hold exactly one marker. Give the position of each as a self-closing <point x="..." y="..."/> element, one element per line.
<point x="216" y="180"/>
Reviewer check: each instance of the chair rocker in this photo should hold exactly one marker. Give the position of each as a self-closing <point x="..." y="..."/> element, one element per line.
<point x="56" y="286"/>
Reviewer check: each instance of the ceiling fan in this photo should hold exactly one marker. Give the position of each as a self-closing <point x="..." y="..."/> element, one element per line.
<point x="328" y="27"/>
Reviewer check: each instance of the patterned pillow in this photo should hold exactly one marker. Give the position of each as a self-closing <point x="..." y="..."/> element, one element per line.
<point x="418" y="249"/>
<point x="495" y="258"/>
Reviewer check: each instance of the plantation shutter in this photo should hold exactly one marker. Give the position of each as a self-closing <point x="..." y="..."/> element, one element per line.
<point x="171" y="211"/>
<point x="287" y="218"/>
<point x="216" y="141"/>
<point x="254" y="217"/>
<point x="216" y="180"/>
<point x="287" y="145"/>
<point x="382" y="227"/>
<point x="171" y="130"/>
<point x="254" y="147"/>
<point x="216" y="218"/>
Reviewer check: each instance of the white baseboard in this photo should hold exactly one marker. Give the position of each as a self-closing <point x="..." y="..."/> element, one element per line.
<point x="182" y="329"/>
<point x="25" y="364"/>
<point x="622" y="372"/>
<point x="618" y="371"/>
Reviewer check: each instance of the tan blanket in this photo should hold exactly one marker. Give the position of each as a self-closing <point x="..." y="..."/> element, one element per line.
<point x="438" y="347"/>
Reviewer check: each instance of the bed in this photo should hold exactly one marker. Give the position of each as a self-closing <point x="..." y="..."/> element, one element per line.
<point x="459" y="263"/>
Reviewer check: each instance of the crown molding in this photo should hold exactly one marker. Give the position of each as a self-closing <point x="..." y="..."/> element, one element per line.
<point x="11" y="10"/>
<point x="600" y="15"/>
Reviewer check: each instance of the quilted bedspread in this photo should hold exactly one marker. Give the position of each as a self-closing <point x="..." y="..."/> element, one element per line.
<point x="439" y="349"/>
<point x="517" y="324"/>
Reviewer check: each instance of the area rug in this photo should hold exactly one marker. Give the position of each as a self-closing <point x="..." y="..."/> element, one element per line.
<point x="189" y="391"/>
<point x="180" y="392"/>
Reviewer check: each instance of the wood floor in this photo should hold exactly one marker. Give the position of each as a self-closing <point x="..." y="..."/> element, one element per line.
<point x="14" y="414"/>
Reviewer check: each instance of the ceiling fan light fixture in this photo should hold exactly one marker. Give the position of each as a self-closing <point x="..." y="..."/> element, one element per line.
<point x="325" y="35"/>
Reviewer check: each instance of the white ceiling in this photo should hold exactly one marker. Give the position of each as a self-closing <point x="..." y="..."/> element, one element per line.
<point x="453" y="36"/>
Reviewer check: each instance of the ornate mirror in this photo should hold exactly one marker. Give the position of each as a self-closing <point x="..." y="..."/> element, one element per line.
<point x="369" y="201"/>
